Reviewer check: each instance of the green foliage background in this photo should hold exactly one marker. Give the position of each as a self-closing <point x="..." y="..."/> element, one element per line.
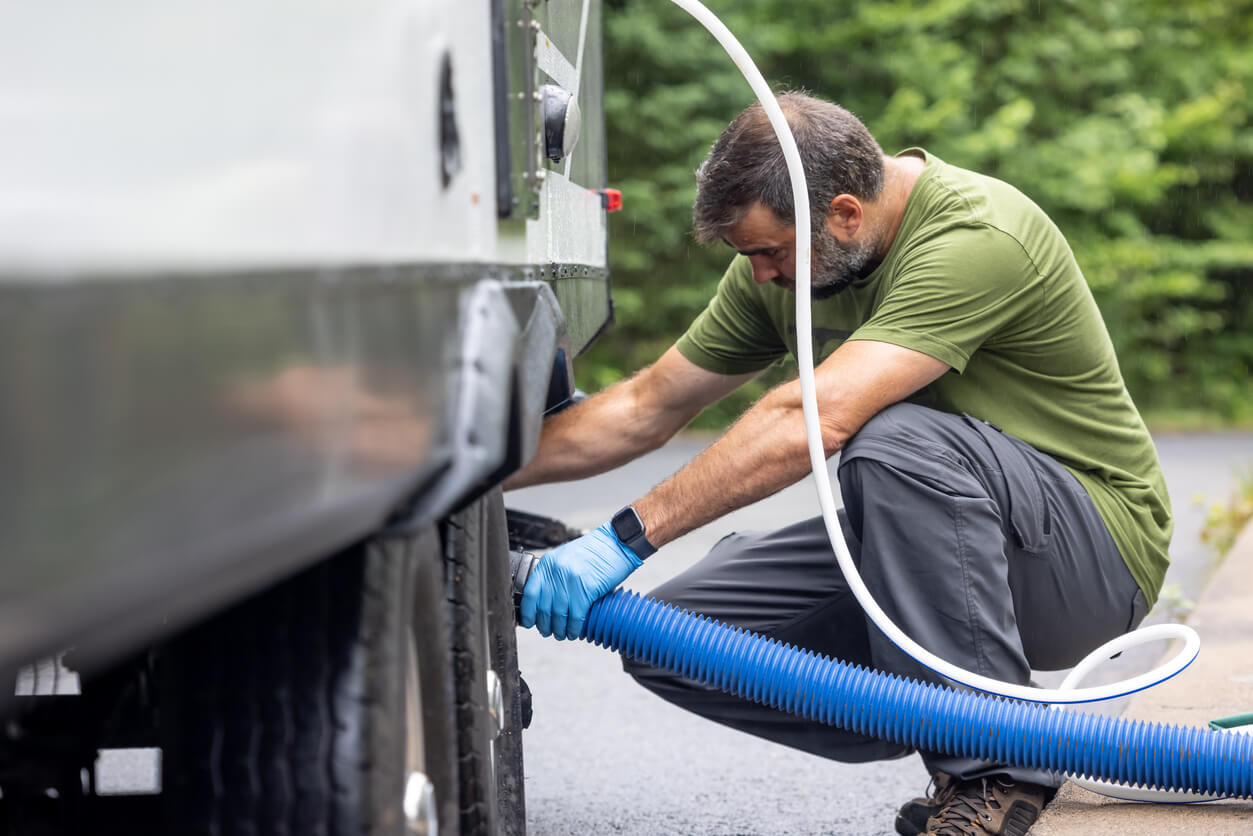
<point x="1126" y="120"/>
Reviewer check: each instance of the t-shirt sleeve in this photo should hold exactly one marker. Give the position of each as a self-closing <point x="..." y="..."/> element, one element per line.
<point x="734" y="334"/>
<point x="968" y="288"/>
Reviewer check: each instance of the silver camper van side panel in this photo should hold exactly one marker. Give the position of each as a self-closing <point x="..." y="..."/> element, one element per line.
<point x="239" y="263"/>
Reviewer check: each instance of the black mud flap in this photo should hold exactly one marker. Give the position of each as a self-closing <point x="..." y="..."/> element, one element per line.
<point x="533" y="532"/>
<point x="528" y="711"/>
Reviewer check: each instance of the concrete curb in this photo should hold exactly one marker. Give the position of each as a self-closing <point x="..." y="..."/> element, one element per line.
<point x="1218" y="684"/>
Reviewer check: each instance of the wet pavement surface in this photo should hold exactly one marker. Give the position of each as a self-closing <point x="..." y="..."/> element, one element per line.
<point x="603" y="756"/>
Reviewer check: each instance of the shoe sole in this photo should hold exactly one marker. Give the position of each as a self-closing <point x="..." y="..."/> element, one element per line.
<point x="1019" y="819"/>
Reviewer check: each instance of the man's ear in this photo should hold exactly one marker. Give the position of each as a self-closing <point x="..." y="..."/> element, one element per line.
<point x="844" y="217"/>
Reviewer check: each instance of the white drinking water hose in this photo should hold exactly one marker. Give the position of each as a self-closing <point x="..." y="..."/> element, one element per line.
<point x="1068" y="692"/>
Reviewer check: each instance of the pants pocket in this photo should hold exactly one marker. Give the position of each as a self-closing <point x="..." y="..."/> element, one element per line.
<point x="1029" y="520"/>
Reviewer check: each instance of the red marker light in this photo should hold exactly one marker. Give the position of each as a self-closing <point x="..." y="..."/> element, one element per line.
<point x="610" y="199"/>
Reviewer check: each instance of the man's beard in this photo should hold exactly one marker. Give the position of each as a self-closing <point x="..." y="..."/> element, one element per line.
<point x="835" y="266"/>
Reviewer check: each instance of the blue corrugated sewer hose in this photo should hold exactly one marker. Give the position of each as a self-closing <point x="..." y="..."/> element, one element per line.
<point x="918" y="714"/>
<point x="922" y="715"/>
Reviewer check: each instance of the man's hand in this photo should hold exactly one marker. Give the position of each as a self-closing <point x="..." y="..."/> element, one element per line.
<point x="568" y="579"/>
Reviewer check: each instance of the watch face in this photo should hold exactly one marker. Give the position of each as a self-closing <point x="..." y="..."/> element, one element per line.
<point x="627" y="525"/>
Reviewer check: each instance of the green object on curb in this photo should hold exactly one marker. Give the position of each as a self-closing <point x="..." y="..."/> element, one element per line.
<point x="1235" y="721"/>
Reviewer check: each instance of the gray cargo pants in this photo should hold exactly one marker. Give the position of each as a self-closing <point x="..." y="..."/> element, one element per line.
<point x="985" y="551"/>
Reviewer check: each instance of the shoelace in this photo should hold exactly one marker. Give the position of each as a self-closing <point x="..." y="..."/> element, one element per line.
<point x="962" y="809"/>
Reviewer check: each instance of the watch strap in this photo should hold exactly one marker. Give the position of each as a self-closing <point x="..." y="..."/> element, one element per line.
<point x="629" y="529"/>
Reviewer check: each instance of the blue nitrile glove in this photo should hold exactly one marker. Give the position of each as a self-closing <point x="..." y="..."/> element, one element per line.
<point x="568" y="579"/>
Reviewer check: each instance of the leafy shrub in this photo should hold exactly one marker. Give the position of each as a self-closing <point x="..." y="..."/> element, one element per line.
<point x="1126" y="121"/>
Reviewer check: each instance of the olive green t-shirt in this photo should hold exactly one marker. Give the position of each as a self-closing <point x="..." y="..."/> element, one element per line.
<point x="979" y="278"/>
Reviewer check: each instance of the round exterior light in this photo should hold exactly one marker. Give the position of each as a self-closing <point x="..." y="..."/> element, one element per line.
<point x="562" y="121"/>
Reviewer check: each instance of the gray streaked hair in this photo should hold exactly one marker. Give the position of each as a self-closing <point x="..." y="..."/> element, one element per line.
<point x="746" y="165"/>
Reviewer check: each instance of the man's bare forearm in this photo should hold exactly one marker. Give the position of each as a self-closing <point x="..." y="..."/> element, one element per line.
<point x="762" y="453"/>
<point x="606" y="430"/>
<point x="625" y="421"/>
<point x="766" y="450"/>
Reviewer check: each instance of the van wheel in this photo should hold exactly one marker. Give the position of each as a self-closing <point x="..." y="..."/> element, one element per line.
<point x="489" y="690"/>
<point x="323" y="707"/>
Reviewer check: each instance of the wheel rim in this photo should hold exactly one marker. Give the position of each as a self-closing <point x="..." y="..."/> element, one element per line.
<point x="419" y="807"/>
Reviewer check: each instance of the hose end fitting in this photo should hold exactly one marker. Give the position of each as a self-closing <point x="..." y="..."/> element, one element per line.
<point x="521" y="564"/>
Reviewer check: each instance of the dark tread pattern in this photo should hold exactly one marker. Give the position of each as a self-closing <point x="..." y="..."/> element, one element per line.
<point x="285" y="714"/>
<point x="1019" y="819"/>
<point x="480" y="592"/>
<point x="502" y="624"/>
<point x="309" y="652"/>
<point x="278" y="724"/>
<point x="463" y="555"/>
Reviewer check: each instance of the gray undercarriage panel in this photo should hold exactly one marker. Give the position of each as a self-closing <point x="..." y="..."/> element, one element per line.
<point x="170" y="444"/>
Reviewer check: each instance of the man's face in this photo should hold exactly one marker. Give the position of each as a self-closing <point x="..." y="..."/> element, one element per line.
<point x="770" y="247"/>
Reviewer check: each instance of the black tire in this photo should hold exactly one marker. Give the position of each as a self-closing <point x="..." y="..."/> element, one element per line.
<point x="489" y="729"/>
<point x="286" y="714"/>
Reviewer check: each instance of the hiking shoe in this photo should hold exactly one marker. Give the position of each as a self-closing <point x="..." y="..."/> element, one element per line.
<point x="911" y="819"/>
<point x="992" y="806"/>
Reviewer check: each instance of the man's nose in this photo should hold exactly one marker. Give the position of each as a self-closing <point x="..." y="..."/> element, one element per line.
<point x="763" y="269"/>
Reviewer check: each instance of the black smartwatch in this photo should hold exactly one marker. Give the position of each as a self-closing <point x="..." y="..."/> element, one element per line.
<point x="630" y="530"/>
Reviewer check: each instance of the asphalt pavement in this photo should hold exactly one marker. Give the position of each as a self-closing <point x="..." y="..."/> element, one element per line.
<point x="603" y="756"/>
